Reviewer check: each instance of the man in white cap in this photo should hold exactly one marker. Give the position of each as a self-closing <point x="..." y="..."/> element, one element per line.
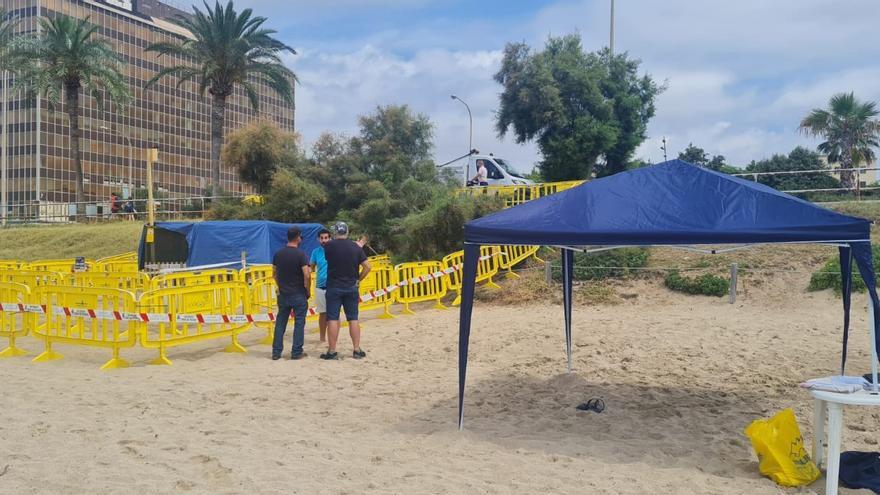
<point x="347" y="265"/>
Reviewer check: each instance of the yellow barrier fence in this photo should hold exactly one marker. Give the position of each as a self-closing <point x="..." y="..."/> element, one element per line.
<point x="31" y="278"/>
<point x="131" y="281"/>
<point x="129" y="256"/>
<point x="116" y="266"/>
<point x="60" y="266"/>
<point x="10" y="265"/>
<point x="219" y="301"/>
<point x="14" y="321"/>
<point x="379" y="260"/>
<point x="487" y="268"/>
<point x="514" y="255"/>
<point x="264" y="299"/>
<point x="254" y="272"/>
<point x="430" y="289"/>
<point x="87" y="316"/>
<point x="195" y="278"/>
<point x="380" y="277"/>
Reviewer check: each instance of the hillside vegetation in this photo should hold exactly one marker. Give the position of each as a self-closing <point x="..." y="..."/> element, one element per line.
<point x="69" y="241"/>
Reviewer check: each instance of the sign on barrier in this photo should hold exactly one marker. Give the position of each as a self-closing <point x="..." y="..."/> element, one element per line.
<point x="227" y="298"/>
<point x="487" y="267"/>
<point x="15" y="321"/>
<point x="420" y="281"/>
<point x="196" y="278"/>
<point x="71" y="318"/>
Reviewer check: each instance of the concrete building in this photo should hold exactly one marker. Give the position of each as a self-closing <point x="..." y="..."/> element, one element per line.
<point x="38" y="166"/>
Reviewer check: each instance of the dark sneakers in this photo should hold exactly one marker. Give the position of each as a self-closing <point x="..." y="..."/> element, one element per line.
<point x="359" y="354"/>
<point x="299" y="356"/>
<point x="276" y="357"/>
<point x="330" y="355"/>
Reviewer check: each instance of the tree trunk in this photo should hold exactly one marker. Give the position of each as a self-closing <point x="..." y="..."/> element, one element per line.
<point x="846" y="164"/>
<point x="218" y="118"/>
<point x="71" y="92"/>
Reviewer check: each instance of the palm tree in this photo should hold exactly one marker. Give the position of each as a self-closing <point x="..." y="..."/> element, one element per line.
<point x="849" y="129"/>
<point x="7" y="27"/>
<point x="67" y="56"/>
<point x="228" y="49"/>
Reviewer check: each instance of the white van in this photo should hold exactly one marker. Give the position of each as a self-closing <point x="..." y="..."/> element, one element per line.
<point x="499" y="172"/>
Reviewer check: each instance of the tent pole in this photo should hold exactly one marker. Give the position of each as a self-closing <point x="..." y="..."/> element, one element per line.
<point x="873" y="345"/>
<point x="567" y="272"/>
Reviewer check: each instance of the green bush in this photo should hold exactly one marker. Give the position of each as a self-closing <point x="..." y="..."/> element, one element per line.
<point x="706" y="285"/>
<point x="828" y="277"/>
<point x="614" y="263"/>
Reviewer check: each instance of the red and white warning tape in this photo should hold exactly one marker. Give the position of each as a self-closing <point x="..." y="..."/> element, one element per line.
<point x="196" y="318"/>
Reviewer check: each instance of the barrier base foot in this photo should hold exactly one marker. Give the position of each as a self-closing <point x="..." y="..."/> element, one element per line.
<point x="13" y="351"/>
<point x="234" y="347"/>
<point x="115" y="364"/>
<point x="161" y="361"/>
<point x="492" y="285"/>
<point x="539" y="260"/>
<point x="47" y="356"/>
<point x="386" y="316"/>
<point x="456" y="301"/>
<point x="511" y="276"/>
<point x="267" y="340"/>
<point x="439" y="306"/>
<point x="408" y="311"/>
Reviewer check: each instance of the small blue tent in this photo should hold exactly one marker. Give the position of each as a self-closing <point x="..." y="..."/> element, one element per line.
<point x="671" y="204"/>
<point x="219" y="242"/>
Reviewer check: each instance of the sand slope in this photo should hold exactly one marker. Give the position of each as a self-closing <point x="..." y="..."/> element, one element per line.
<point x="681" y="377"/>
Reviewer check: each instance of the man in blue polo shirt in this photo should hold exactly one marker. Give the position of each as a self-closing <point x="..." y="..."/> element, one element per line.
<point x="318" y="263"/>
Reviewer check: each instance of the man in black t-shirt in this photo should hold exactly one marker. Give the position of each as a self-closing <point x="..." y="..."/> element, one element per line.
<point x="292" y="273"/>
<point x="347" y="265"/>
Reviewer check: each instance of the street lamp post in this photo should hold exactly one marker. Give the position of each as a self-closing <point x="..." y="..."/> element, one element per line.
<point x="467" y="172"/>
<point x="130" y="166"/>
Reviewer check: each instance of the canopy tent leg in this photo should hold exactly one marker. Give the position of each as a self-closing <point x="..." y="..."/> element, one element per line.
<point x="468" y="281"/>
<point x="846" y="292"/>
<point x="567" y="272"/>
<point x="862" y="254"/>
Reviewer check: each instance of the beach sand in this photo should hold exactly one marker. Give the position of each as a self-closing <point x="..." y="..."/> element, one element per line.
<point x="681" y="377"/>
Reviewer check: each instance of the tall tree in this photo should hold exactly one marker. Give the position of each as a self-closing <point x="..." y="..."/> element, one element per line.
<point x="799" y="158"/>
<point x="395" y="144"/>
<point x="256" y="151"/>
<point x="67" y="57"/>
<point x="850" y="130"/>
<point x="694" y="154"/>
<point x="578" y="106"/>
<point x="228" y="49"/>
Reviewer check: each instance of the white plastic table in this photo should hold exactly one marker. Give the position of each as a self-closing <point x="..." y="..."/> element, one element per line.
<point x="833" y="403"/>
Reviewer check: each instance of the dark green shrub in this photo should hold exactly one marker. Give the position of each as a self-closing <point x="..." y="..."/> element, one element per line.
<point x="706" y="285"/>
<point x="614" y="263"/>
<point x="828" y="277"/>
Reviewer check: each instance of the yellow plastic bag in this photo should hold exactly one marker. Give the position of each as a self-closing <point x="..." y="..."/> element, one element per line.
<point x="780" y="448"/>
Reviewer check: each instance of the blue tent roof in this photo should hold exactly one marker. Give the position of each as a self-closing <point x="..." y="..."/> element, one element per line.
<point x="670" y="203"/>
<point x="223" y="241"/>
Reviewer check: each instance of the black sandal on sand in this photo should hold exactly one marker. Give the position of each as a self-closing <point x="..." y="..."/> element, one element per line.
<point x="330" y="355"/>
<point x="596" y="404"/>
<point x="359" y="354"/>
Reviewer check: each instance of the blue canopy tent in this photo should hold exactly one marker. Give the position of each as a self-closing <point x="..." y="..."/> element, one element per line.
<point x="672" y="204"/>
<point x="221" y="242"/>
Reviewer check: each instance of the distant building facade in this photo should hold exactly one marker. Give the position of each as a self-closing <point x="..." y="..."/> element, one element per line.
<point x="37" y="161"/>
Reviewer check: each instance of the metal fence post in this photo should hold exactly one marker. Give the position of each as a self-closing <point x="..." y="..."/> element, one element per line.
<point x="548" y="272"/>
<point x="731" y="292"/>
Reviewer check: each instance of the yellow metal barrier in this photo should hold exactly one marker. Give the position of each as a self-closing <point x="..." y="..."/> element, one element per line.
<point x="379" y="259"/>
<point x="255" y="272"/>
<point x="10" y="265"/>
<point x="85" y="316"/>
<point x="487" y="268"/>
<point x="191" y="279"/>
<point x="514" y="255"/>
<point x="13" y="321"/>
<point x="431" y="289"/>
<point x="264" y="299"/>
<point x="516" y="195"/>
<point x="183" y="303"/>
<point x="31" y="278"/>
<point x="116" y="266"/>
<point x="60" y="266"/>
<point x="130" y="281"/>
<point x="129" y="256"/>
<point x="380" y="277"/>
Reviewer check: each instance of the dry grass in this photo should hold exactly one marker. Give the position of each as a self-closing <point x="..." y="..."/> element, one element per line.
<point x="69" y="241"/>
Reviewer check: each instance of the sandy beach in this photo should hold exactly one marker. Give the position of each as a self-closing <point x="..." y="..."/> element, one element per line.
<point x="681" y="377"/>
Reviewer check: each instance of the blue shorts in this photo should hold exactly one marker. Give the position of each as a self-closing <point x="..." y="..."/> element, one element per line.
<point x="342" y="298"/>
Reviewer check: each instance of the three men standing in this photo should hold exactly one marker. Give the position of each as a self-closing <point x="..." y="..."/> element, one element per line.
<point x="290" y="267"/>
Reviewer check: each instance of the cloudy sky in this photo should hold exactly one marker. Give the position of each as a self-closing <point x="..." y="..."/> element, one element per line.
<point x="740" y="74"/>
